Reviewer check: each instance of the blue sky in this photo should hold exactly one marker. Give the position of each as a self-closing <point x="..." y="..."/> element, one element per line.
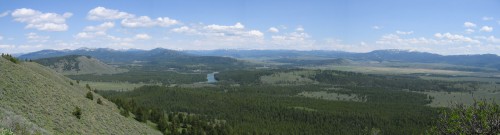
<point x="438" y="26"/>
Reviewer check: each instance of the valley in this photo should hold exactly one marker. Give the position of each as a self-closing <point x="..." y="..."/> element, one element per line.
<point x="308" y="96"/>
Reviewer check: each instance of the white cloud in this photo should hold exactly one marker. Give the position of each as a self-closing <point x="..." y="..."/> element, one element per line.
<point x="83" y="35"/>
<point x="491" y="39"/>
<point x="101" y="13"/>
<point x="487" y="18"/>
<point x="300" y="28"/>
<point x="145" y="21"/>
<point x="165" y="21"/>
<point x="41" y="21"/>
<point x="295" y="40"/>
<point x="33" y="37"/>
<point x="291" y="38"/>
<point x="3" y="14"/>
<point x="142" y="36"/>
<point x="215" y="27"/>
<point x="486" y="29"/>
<point x="234" y="31"/>
<point x="12" y="48"/>
<point x="469" y="25"/>
<point x="404" y="33"/>
<point x="255" y="33"/>
<point x="425" y="44"/>
<point x="283" y="27"/>
<point x="273" y="30"/>
<point x="454" y="38"/>
<point x="102" y="27"/>
<point x="3" y="46"/>
<point x="393" y="39"/>
<point x="1" y="38"/>
<point x="216" y="36"/>
<point x="469" y="31"/>
<point x="185" y="29"/>
<point x="377" y="27"/>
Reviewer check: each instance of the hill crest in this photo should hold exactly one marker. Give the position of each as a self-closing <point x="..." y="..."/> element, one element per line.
<point x="42" y="101"/>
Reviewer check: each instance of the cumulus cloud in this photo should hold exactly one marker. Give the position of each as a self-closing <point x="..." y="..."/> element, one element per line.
<point x="300" y="28"/>
<point x="145" y="21"/>
<point x="273" y="30"/>
<point x="255" y="33"/>
<point x="376" y="27"/>
<point x="41" y="21"/>
<point x="455" y="38"/>
<point x="95" y="31"/>
<point x="469" y="25"/>
<point x="102" y="13"/>
<point x="85" y="35"/>
<point x="394" y="39"/>
<point x="487" y="18"/>
<point x="215" y="27"/>
<point x="33" y="37"/>
<point x="294" y="36"/>
<point x="102" y="27"/>
<point x="491" y="39"/>
<point x="486" y="29"/>
<point x="5" y="13"/>
<point x="404" y="32"/>
<point x="237" y="30"/>
<point x="185" y="29"/>
<point x="469" y="31"/>
<point x="129" y="20"/>
<point x="13" y="48"/>
<point x="142" y="36"/>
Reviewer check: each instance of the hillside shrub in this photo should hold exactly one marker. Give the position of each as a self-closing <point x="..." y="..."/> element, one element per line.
<point x="90" y="95"/>
<point x="99" y="101"/>
<point x="78" y="112"/>
<point x="125" y="112"/>
<point x="88" y="86"/>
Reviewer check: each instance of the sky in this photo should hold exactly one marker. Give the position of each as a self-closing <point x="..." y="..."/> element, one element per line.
<point x="445" y="27"/>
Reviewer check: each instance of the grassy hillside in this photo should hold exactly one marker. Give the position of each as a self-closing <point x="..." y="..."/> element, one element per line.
<point x="35" y="99"/>
<point x="77" y="64"/>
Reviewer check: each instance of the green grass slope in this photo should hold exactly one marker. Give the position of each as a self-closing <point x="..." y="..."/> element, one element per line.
<point x="35" y="99"/>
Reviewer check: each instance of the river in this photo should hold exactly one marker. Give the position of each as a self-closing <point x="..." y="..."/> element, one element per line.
<point x="211" y="77"/>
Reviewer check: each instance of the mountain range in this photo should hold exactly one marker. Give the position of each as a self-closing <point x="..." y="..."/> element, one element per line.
<point x="78" y="64"/>
<point x="160" y="55"/>
<point x="155" y="58"/>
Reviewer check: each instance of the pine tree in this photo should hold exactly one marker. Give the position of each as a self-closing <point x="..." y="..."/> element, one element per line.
<point x="90" y="95"/>
<point x="162" y="123"/>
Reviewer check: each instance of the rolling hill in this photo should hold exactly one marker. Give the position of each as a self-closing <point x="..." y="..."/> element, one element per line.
<point x="35" y="99"/>
<point x="77" y="65"/>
